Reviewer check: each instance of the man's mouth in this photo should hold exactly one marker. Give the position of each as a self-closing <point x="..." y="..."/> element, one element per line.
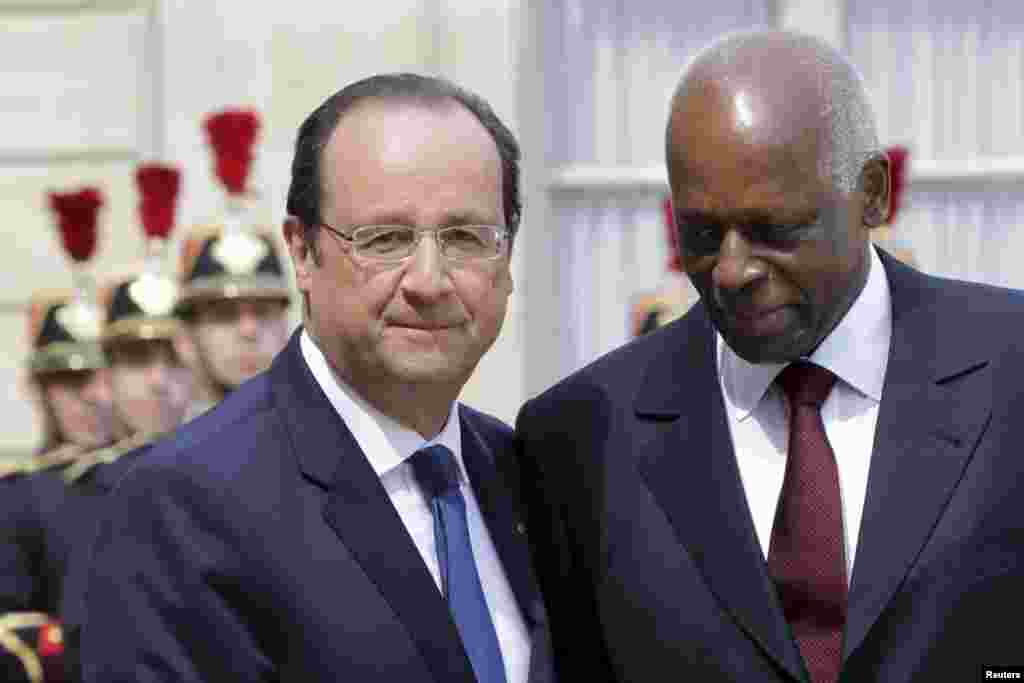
<point x="758" y="320"/>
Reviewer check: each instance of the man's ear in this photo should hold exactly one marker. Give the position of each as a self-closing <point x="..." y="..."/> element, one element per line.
<point x="877" y="190"/>
<point x="302" y="252"/>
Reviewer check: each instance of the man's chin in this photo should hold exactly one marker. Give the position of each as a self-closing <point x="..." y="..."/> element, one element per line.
<point x="779" y="348"/>
<point x="426" y="367"/>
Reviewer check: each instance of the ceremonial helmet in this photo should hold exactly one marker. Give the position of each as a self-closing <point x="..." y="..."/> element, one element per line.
<point x="141" y="307"/>
<point x="219" y="263"/>
<point x="65" y="336"/>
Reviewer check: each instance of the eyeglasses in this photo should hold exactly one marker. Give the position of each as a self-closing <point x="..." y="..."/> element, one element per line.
<point x="394" y="243"/>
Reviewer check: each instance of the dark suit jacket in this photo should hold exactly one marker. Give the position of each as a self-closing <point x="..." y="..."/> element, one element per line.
<point x="257" y="544"/>
<point x="85" y="499"/>
<point x="44" y="523"/>
<point x="646" y="550"/>
<point x="35" y="538"/>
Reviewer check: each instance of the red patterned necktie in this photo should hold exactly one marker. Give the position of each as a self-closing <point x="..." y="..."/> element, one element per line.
<point x="806" y="557"/>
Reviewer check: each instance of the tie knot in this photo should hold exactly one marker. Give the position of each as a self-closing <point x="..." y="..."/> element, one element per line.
<point x="435" y="470"/>
<point x="806" y="383"/>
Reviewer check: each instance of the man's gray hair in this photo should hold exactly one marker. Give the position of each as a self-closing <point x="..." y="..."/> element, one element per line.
<point x="846" y="110"/>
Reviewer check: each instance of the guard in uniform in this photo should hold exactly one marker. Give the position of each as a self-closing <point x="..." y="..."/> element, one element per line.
<point x="235" y="291"/>
<point x="151" y="385"/>
<point x="68" y="370"/>
<point x="234" y="303"/>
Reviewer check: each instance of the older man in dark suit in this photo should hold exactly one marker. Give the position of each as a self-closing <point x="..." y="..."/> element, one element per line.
<point x="812" y="476"/>
<point x="341" y="516"/>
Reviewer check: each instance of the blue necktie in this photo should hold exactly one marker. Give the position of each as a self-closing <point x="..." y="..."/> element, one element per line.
<point x="437" y="472"/>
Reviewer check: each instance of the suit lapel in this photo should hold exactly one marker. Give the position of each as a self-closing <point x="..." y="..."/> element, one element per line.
<point x="687" y="459"/>
<point x="358" y="510"/>
<point x="936" y="402"/>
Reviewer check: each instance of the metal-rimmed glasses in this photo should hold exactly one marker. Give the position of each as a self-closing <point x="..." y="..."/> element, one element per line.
<point x="396" y="243"/>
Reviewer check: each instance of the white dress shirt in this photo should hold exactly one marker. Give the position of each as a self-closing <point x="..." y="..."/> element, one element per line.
<point x="388" y="445"/>
<point x="856" y="352"/>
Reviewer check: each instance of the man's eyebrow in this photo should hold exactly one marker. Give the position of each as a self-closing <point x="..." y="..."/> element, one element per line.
<point x="468" y="217"/>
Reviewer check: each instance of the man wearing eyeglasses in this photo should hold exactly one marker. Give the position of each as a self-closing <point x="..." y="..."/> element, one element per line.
<point x="342" y="517"/>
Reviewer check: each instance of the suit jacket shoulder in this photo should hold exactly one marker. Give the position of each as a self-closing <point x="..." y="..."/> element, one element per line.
<point x="495" y="432"/>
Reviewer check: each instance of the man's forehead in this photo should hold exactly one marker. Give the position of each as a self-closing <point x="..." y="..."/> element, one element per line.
<point x="409" y="157"/>
<point x="390" y="121"/>
<point x="760" y="113"/>
<point x="717" y="166"/>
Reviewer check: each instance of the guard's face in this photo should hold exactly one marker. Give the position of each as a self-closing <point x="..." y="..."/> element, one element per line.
<point x="152" y="388"/>
<point x="425" y="320"/>
<point x="80" y="401"/>
<point x="238" y="338"/>
<point x="777" y="254"/>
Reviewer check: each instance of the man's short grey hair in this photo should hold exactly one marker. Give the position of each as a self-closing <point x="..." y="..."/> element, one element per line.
<point x="846" y="110"/>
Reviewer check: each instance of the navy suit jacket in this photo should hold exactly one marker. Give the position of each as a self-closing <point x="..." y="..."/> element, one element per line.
<point x="39" y="522"/>
<point x="85" y="501"/>
<point x="645" y="546"/>
<point x="257" y="544"/>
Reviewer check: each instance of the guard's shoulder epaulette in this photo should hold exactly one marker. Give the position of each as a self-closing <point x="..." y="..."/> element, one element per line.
<point x="13" y="620"/>
<point x="12" y="468"/>
<point x="59" y="457"/>
<point x="29" y="638"/>
<point x="108" y="454"/>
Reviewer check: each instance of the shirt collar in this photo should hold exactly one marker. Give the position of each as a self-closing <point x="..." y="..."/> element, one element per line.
<point x="385" y="443"/>
<point x="856" y="351"/>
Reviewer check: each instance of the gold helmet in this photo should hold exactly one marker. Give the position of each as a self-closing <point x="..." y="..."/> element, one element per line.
<point x="141" y="308"/>
<point x="65" y="334"/>
<point x="230" y="264"/>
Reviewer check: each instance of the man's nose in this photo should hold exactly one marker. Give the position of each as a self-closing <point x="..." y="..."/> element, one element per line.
<point x="97" y="390"/>
<point x="157" y="373"/>
<point x="426" y="275"/>
<point x="737" y="266"/>
<point x="248" y="321"/>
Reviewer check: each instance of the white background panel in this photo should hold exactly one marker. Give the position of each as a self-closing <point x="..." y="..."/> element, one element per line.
<point x="21" y="424"/>
<point x="63" y="89"/>
<point x="31" y="255"/>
